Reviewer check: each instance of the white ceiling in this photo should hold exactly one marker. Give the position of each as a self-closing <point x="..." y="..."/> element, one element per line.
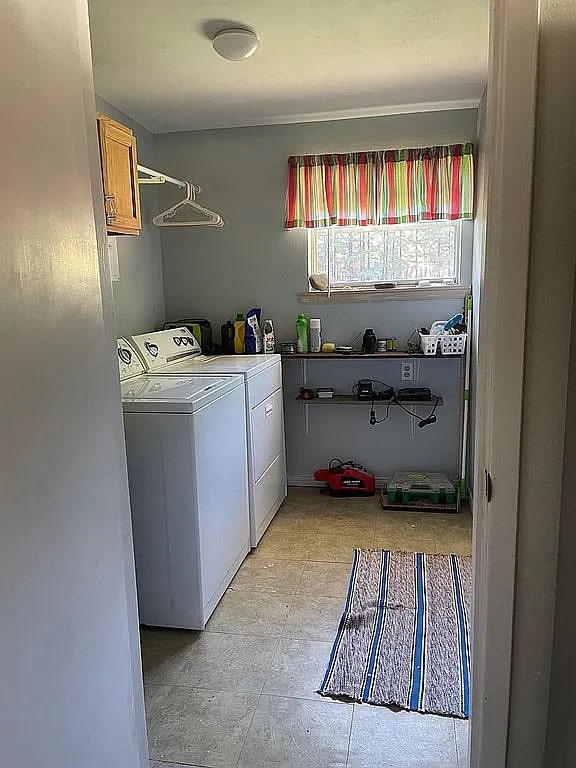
<point x="318" y="59"/>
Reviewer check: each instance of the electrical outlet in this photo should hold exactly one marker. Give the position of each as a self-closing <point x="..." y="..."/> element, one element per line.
<point x="408" y="371"/>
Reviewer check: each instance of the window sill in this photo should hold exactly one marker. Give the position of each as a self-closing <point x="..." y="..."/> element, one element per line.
<point x="385" y="294"/>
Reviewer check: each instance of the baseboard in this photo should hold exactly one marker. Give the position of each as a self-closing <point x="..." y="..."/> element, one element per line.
<point x="302" y="481"/>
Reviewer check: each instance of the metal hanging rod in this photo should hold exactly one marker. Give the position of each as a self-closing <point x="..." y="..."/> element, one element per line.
<point x="164" y="219"/>
<point x="155" y="177"/>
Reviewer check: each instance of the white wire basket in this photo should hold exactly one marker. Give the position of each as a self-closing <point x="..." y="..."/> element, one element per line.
<point x="453" y="344"/>
<point x="429" y="343"/>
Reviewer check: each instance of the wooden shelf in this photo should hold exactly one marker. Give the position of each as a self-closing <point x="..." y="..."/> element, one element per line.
<point x="400" y="292"/>
<point x="362" y="356"/>
<point x="348" y="356"/>
<point x="353" y="400"/>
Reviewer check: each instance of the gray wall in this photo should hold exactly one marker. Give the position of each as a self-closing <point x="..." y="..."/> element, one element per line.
<point x="139" y="294"/>
<point x="253" y="261"/>
<point x="398" y="444"/>
<point x="214" y="273"/>
<point x="69" y="667"/>
<point x="550" y="297"/>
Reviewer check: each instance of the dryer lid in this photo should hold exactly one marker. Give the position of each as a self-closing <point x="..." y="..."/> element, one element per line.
<point x="248" y="365"/>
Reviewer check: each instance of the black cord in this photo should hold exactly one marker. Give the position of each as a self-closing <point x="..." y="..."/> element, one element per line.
<point x="431" y="418"/>
<point x="415" y="415"/>
<point x="373" y="419"/>
<point x="377" y="381"/>
<point x="336" y="464"/>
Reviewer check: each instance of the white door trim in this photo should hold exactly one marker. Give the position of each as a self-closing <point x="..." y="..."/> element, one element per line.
<point x="509" y="155"/>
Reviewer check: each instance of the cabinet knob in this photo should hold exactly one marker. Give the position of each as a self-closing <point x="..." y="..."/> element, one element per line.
<point x="110" y="208"/>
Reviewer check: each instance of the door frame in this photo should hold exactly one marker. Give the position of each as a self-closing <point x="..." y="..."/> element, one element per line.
<point x="509" y="150"/>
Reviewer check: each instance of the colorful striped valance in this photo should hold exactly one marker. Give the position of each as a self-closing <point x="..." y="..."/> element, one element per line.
<point x="393" y="186"/>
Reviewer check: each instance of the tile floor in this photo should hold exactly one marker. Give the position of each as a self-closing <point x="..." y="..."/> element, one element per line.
<point x="242" y="693"/>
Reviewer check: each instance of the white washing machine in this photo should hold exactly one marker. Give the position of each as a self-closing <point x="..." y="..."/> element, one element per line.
<point x="187" y="470"/>
<point x="176" y="352"/>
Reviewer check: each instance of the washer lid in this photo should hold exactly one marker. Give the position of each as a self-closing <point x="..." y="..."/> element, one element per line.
<point x="172" y="394"/>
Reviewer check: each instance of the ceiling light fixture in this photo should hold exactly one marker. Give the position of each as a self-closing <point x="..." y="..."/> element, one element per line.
<point x="236" y="44"/>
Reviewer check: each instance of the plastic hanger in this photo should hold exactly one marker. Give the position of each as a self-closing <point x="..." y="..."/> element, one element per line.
<point x="164" y="219"/>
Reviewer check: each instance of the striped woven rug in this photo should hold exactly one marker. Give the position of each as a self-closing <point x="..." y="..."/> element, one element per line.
<point x="404" y="636"/>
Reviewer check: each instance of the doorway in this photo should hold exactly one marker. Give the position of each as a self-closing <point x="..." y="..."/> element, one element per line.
<point x="182" y="656"/>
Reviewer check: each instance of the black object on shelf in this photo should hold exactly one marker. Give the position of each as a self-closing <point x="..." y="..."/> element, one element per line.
<point x="204" y="327"/>
<point x="227" y="330"/>
<point x="365" y="391"/>
<point x="415" y="394"/>
<point x="369" y="342"/>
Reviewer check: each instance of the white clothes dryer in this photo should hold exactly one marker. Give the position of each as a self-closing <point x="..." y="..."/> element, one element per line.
<point x="176" y="352"/>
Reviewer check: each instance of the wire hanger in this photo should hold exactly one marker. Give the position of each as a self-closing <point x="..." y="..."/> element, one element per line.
<point x="164" y="219"/>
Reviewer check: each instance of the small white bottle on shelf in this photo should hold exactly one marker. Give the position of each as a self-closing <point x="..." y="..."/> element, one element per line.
<point x="315" y="334"/>
<point x="269" y="341"/>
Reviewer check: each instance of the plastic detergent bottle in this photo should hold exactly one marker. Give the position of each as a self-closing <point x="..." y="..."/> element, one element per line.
<point x="301" y="333"/>
<point x="239" y="332"/>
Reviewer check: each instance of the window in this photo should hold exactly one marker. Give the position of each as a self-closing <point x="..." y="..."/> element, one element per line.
<point x="358" y="257"/>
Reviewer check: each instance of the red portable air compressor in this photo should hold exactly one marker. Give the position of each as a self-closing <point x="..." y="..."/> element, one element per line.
<point x="346" y="478"/>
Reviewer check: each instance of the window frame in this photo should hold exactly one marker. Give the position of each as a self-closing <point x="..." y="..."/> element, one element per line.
<point x="401" y="283"/>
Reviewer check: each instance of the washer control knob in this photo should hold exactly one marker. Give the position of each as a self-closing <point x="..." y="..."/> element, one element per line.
<point x="125" y="355"/>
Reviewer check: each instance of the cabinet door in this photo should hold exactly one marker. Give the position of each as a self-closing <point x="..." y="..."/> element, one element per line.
<point x="119" y="177"/>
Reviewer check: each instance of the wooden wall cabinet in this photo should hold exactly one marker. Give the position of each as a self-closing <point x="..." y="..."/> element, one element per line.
<point x="119" y="177"/>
